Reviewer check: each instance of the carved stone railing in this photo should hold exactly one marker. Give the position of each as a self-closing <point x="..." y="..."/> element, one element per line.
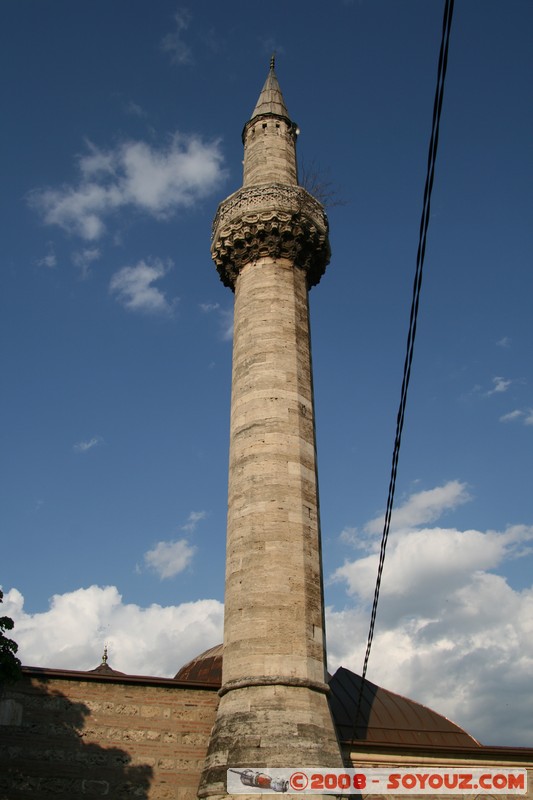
<point x="275" y="221"/>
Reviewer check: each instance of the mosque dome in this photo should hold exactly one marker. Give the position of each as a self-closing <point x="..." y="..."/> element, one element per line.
<point x="205" y="668"/>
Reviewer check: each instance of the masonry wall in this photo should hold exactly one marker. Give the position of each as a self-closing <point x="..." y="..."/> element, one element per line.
<point x="84" y="737"/>
<point x="75" y="735"/>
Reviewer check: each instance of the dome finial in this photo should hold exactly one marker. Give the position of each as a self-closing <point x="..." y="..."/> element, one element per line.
<point x="272" y="61"/>
<point x="104" y="657"/>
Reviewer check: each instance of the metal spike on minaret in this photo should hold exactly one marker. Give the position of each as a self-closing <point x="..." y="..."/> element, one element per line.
<point x="270" y="245"/>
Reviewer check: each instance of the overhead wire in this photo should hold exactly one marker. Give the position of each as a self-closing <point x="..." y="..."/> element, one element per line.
<point x="415" y="302"/>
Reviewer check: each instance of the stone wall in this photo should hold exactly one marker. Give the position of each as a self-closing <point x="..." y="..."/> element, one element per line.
<point x="69" y="735"/>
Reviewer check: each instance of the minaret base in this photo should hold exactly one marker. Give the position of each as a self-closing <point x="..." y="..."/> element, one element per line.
<point x="269" y="726"/>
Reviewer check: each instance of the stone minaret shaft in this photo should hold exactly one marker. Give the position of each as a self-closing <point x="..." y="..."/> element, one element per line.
<point x="270" y="245"/>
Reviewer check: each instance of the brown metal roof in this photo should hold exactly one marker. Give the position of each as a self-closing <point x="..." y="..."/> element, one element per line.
<point x="105" y="669"/>
<point x="389" y="718"/>
<point x="205" y="668"/>
<point x="113" y="676"/>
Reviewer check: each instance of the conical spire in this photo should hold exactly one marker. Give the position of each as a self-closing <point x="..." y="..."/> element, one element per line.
<point x="271" y="100"/>
<point x="269" y="139"/>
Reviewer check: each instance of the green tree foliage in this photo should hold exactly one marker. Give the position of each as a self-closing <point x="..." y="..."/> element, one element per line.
<point x="9" y="663"/>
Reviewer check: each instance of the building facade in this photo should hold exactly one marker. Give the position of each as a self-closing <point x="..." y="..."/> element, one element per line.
<point x="263" y="699"/>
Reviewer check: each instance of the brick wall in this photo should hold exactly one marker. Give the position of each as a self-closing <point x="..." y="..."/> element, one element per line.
<point x="69" y="735"/>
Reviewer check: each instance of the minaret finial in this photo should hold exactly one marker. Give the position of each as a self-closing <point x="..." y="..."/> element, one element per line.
<point x="272" y="61"/>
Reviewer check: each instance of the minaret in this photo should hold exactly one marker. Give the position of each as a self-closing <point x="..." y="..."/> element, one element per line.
<point x="270" y="245"/>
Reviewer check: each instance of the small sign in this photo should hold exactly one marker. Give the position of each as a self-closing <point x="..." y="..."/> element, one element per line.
<point x="423" y="781"/>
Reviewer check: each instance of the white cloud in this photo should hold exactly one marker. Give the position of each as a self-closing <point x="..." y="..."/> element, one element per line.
<point x="524" y="416"/>
<point x="97" y="162"/>
<point x="423" y="507"/>
<point x="84" y="258"/>
<point x="174" y="44"/>
<point x="511" y="416"/>
<point x="135" y="175"/>
<point x="168" y="559"/>
<point x="82" y="447"/>
<point x="435" y="559"/>
<point x="500" y="385"/>
<point x="505" y="342"/>
<point x="450" y="631"/>
<point x="71" y="634"/>
<point x="134" y="289"/>
<point x="225" y="317"/>
<point x="349" y="536"/>
<point x="134" y="109"/>
<point x="192" y="520"/>
<point x="50" y="259"/>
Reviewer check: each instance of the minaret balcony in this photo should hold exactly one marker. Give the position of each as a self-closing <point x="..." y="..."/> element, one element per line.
<point x="270" y="220"/>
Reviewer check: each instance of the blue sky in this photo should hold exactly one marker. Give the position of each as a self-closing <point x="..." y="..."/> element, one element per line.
<point x="121" y="134"/>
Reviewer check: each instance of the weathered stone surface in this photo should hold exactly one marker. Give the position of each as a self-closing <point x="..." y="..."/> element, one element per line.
<point x="269" y="150"/>
<point x="273" y="616"/>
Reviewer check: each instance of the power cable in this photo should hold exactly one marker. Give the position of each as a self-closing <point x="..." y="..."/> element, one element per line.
<point x="417" y="286"/>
